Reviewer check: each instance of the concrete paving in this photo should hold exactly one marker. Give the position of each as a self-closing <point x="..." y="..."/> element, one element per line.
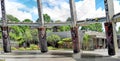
<point x="59" y="55"/>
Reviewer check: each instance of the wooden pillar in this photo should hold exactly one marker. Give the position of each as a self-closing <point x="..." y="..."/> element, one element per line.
<point x="109" y="36"/>
<point x="41" y="29"/>
<point x="75" y="39"/>
<point x="4" y="28"/>
<point x="42" y="39"/>
<point x="110" y="29"/>
<point x="74" y="28"/>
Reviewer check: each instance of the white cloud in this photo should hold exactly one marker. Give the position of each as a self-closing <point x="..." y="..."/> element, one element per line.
<point x="13" y="8"/>
<point x="59" y="9"/>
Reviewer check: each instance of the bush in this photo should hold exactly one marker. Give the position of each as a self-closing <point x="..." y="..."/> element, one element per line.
<point x="67" y="39"/>
<point x="53" y="39"/>
<point x="13" y="48"/>
<point x="51" y="48"/>
<point x="34" y="47"/>
<point x="1" y="49"/>
<point x="28" y="49"/>
<point x="65" y="43"/>
<point x="60" y="42"/>
<point x="22" y="48"/>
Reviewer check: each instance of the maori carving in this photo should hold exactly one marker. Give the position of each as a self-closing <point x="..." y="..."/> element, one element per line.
<point x="109" y="37"/>
<point x="75" y="39"/>
<point x="42" y="39"/>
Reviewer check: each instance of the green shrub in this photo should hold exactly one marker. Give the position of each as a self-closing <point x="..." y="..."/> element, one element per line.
<point x="67" y="39"/>
<point x="13" y="48"/>
<point x="1" y="49"/>
<point x="34" y="47"/>
<point x="51" y="48"/>
<point x="28" y="49"/>
<point x="21" y="48"/>
<point x="60" y="42"/>
<point x="53" y="38"/>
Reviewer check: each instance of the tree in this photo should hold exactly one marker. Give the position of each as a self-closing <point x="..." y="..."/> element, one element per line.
<point x="64" y="28"/>
<point x="69" y="19"/>
<point x="46" y="17"/>
<point x="27" y="20"/>
<point x="86" y="39"/>
<point x="11" y="18"/>
<point x="93" y="27"/>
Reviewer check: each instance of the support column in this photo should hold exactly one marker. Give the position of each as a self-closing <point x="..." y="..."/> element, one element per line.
<point x="75" y="39"/>
<point x="6" y="41"/>
<point x="42" y="39"/>
<point x="109" y="37"/>
<point x="4" y="28"/>
<point x="110" y="28"/>
<point x="74" y="29"/>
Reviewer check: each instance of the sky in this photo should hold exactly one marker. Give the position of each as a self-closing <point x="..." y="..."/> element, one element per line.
<point x="58" y="9"/>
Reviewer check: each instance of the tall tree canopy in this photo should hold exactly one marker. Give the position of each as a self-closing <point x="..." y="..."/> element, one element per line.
<point x="11" y="18"/>
<point x="68" y="19"/>
<point x="27" y="20"/>
<point x="46" y="17"/>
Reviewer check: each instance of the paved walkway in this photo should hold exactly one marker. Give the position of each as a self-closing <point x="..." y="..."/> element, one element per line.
<point x="59" y="55"/>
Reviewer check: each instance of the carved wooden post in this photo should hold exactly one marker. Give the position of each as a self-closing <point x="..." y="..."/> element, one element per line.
<point x="75" y="39"/>
<point x="41" y="29"/>
<point x="74" y="29"/>
<point x="5" y="33"/>
<point x="42" y="39"/>
<point x="110" y="28"/>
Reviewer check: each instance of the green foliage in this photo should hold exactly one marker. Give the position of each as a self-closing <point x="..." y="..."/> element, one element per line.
<point x="86" y="39"/>
<point x="22" y="48"/>
<point x="34" y="47"/>
<point x="60" y="42"/>
<point x="65" y="43"/>
<point x="68" y="19"/>
<point x="27" y="20"/>
<point x="47" y="18"/>
<point x="93" y="27"/>
<point x="64" y="28"/>
<point x="67" y="39"/>
<point x="51" y="48"/>
<point x="22" y="33"/>
<point x="1" y="49"/>
<point x="12" y="18"/>
<point x="53" y="38"/>
<point x="13" y="48"/>
<point x="118" y="30"/>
